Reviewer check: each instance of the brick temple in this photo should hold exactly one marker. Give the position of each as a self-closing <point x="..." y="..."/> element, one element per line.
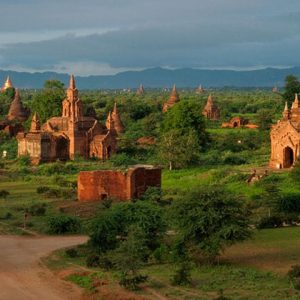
<point x="174" y="98"/>
<point x="69" y="135"/>
<point x="211" y="111"/>
<point x="122" y="185"/>
<point x="285" y="137"/>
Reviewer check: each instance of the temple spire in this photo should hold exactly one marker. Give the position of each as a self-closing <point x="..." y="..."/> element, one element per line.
<point x="16" y="110"/>
<point x="286" y="112"/>
<point x="118" y="124"/>
<point x="72" y="83"/>
<point x="7" y="84"/>
<point x="35" y="123"/>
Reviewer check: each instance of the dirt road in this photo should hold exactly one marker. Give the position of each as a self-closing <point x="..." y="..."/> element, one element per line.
<point x="23" y="277"/>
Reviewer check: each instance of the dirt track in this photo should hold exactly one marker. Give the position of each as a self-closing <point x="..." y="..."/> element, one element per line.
<point x="22" y="277"/>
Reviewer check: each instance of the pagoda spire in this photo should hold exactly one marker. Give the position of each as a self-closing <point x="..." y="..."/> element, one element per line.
<point x="286" y="112"/>
<point x="16" y="110"/>
<point x="72" y="83"/>
<point x="7" y="84"/>
<point x="35" y="123"/>
<point x="118" y="124"/>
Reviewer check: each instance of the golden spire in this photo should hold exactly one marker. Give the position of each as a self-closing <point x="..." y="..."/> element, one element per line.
<point x="7" y="84"/>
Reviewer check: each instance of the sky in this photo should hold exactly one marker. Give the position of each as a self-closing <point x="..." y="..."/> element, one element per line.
<point x="101" y="37"/>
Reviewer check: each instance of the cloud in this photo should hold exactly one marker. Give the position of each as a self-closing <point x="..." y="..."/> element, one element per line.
<point x="113" y="35"/>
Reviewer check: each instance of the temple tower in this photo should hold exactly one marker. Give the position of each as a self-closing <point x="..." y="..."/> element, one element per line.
<point x="17" y="110"/>
<point x="211" y="111"/>
<point x="72" y="105"/>
<point x="118" y="124"/>
<point x="174" y="98"/>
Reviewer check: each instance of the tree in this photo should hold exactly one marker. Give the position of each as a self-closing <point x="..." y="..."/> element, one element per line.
<point x="292" y="87"/>
<point x="264" y="119"/>
<point x="210" y="219"/>
<point x="48" y="102"/>
<point x="178" y="150"/>
<point x="184" y="117"/>
<point x="128" y="258"/>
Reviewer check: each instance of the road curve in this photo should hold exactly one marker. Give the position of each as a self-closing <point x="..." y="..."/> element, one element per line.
<point x="22" y="277"/>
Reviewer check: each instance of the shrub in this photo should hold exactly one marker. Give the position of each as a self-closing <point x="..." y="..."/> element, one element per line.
<point x="24" y="161"/>
<point x="182" y="275"/>
<point x="93" y="261"/>
<point x="294" y="276"/>
<point x="38" y="209"/>
<point x="60" y="224"/>
<point x="4" y="194"/>
<point x="270" y="222"/>
<point x="132" y="282"/>
<point x="42" y="189"/>
<point x="72" y="252"/>
<point x="122" y="159"/>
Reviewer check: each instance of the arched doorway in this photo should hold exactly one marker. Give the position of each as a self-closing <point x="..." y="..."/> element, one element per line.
<point x="288" y="157"/>
<point x="62" y="148"/>
<point x="235" y="124"/>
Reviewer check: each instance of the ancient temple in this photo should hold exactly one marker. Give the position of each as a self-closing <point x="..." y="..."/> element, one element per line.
<point x="17" y="114"/>
<point x="17" y="111"/>
<point x="211" y="111"/>
<point x="285" y="137"/>
<point x="68" y="136"/>
<point x="7" y="84"/>
<point x="174" y="98"/>
<point x="140" y="91"/>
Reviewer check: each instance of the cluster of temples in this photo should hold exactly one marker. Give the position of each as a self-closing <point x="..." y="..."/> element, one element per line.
<point x="71" y="134"/>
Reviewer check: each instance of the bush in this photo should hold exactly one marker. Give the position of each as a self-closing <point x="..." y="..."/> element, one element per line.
<point x="4" y="194"/>
<point x="60" y="224"/>
<point x="38" y="209"/>
<point x="270" y="222"/>
<point x="24" y="161"/>
<point x="122" y="159"/>
<point x="42" y="189"/>
<point x="182" y="275"/>
<point x="72" y="252"/>
<point x="93" y="261"/>
<point x="294" y="276"/>
<point x="132" y="282"/>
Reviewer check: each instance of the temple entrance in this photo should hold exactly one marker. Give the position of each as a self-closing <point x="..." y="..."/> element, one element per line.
<point x="62" y="148"/>
<point x="235" y="124"/>
<point x="288" y="157"/>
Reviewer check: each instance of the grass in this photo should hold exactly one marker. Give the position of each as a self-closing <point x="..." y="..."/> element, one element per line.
<point x="255" y="269"/>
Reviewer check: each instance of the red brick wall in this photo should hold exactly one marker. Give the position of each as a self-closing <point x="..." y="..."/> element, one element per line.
<point x="96" y="185"/>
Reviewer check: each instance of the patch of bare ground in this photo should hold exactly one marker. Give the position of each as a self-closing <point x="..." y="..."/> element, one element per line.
<point x="23" y="276"/>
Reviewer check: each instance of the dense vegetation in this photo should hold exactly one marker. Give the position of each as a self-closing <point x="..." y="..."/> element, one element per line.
<point x="204" y="207"/>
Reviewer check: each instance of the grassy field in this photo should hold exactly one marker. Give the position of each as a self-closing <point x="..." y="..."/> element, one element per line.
<point x="255" y="269"/>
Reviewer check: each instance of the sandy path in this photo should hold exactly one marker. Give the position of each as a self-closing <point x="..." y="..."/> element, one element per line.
<point x="22" y="277"/>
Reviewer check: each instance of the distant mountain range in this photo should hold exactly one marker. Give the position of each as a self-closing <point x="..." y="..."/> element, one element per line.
<point x="159" y="78"/>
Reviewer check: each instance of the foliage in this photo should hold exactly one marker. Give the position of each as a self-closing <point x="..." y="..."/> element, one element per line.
<point x="264" y="119"/>
<point x="270" y="222"/>
<point x="178" y="150"/>
<point x="128" y="258"/>
<point x="37" y="209"/>
<point x="210" y="219"/>
<point x="71" y="252"/>
<point x="47" y="103"/>
<point x="116" y="221"/>
<point x="292" y="87"/>
<point x="182" y="275"/>
<point x="4" y="194"/>
<point x="59" y="224"/>
<point x="294" y="276"/>
<point x="186" y="117"/>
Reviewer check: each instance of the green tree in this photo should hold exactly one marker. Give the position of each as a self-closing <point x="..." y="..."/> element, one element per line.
<point x="184" y="117"/>
<point x="128" y="258"/>
<point x="47" y="103"/>
<point x="264" y="119"/>
<point x="210" y="219"/>
<point x="292" y="87"/>
<point x="178" y="150"/>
